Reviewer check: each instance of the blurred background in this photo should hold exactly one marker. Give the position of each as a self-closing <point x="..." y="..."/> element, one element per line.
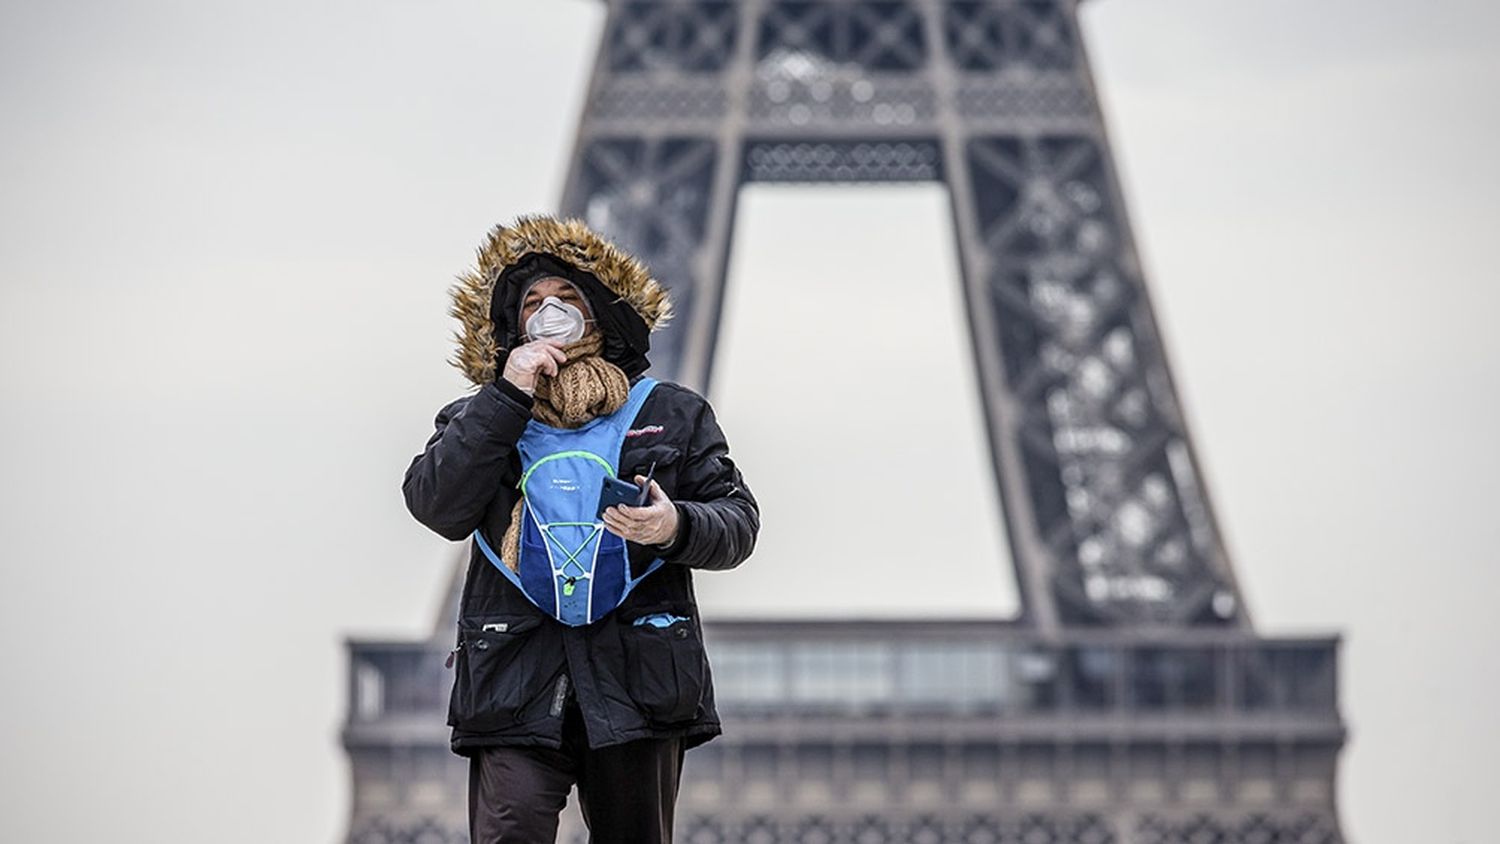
<point x="226" y="236"/>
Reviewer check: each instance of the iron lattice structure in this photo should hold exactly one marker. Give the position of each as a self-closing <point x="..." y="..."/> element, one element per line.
<point x="1132" y="701"/>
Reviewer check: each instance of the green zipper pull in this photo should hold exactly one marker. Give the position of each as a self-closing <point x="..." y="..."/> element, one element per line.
<point x="568" y="586"/>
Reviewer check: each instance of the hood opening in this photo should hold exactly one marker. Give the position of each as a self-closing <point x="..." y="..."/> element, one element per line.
<point x="626" y="337"/>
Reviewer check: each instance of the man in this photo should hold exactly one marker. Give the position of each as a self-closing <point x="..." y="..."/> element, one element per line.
<point x="579" y="656"/>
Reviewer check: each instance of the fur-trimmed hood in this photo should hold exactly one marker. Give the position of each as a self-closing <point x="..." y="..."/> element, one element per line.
<point x="585" y="256"/>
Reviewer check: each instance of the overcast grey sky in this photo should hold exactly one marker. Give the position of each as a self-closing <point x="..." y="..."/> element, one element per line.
<point x="226" y="236"/>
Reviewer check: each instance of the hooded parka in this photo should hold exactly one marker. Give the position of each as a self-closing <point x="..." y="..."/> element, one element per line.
<point x="515" y="665"/>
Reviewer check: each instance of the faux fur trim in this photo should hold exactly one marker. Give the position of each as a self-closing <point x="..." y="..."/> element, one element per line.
<point x="569" y="239"/>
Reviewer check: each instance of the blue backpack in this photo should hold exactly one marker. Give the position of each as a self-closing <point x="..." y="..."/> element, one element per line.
<point x="571" y="566"/>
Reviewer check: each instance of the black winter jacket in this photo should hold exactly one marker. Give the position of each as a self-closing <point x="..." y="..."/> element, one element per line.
<point x="631" y="682"/>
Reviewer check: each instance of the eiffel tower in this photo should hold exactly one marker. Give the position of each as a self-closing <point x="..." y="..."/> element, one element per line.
<point x="1132" y="702"/>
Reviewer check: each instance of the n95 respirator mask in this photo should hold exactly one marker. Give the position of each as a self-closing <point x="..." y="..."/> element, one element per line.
<point x="556" y="319"/>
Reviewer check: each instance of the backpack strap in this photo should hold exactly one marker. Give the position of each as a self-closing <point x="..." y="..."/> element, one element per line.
<point x="621" y="420"/>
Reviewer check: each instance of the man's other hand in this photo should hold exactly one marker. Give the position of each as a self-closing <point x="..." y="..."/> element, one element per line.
<point x="654" y="523"/>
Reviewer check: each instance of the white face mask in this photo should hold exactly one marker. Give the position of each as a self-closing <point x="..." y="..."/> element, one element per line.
<point x="556" y="318"/>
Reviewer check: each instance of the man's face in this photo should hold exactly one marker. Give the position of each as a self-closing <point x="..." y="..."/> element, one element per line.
<point x="562" y="289"/>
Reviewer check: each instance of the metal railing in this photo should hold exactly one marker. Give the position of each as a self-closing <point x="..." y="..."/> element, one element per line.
<point x="770" y="669"/>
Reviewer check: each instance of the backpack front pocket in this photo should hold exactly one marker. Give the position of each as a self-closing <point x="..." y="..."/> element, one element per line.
<point x="495" y="673"/>
<point x="665" y="665"/>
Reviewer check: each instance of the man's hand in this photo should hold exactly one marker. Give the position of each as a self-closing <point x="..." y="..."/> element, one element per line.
<point x="652" y="524"/>
<point x="539" y="357"/>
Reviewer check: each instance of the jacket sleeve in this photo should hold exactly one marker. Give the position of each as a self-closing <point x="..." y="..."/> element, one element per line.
<point x="718" y="517"/>
<point x="451" y="483"/>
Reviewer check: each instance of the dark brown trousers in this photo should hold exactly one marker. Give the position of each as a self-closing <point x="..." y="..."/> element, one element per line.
<point x="627" y="793"/>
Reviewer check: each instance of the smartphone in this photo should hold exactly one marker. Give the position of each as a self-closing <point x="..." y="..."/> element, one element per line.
<point x="620" y="491"/>
<point x="616" y="491"/>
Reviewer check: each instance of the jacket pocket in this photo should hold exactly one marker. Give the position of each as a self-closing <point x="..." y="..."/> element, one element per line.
<point x="495" y="672"/>
<point x="664" y="456"/>
<point x="665" y="665"/>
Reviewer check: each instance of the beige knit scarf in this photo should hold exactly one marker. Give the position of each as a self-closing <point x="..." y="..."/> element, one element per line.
<point x="586" y="386"/>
